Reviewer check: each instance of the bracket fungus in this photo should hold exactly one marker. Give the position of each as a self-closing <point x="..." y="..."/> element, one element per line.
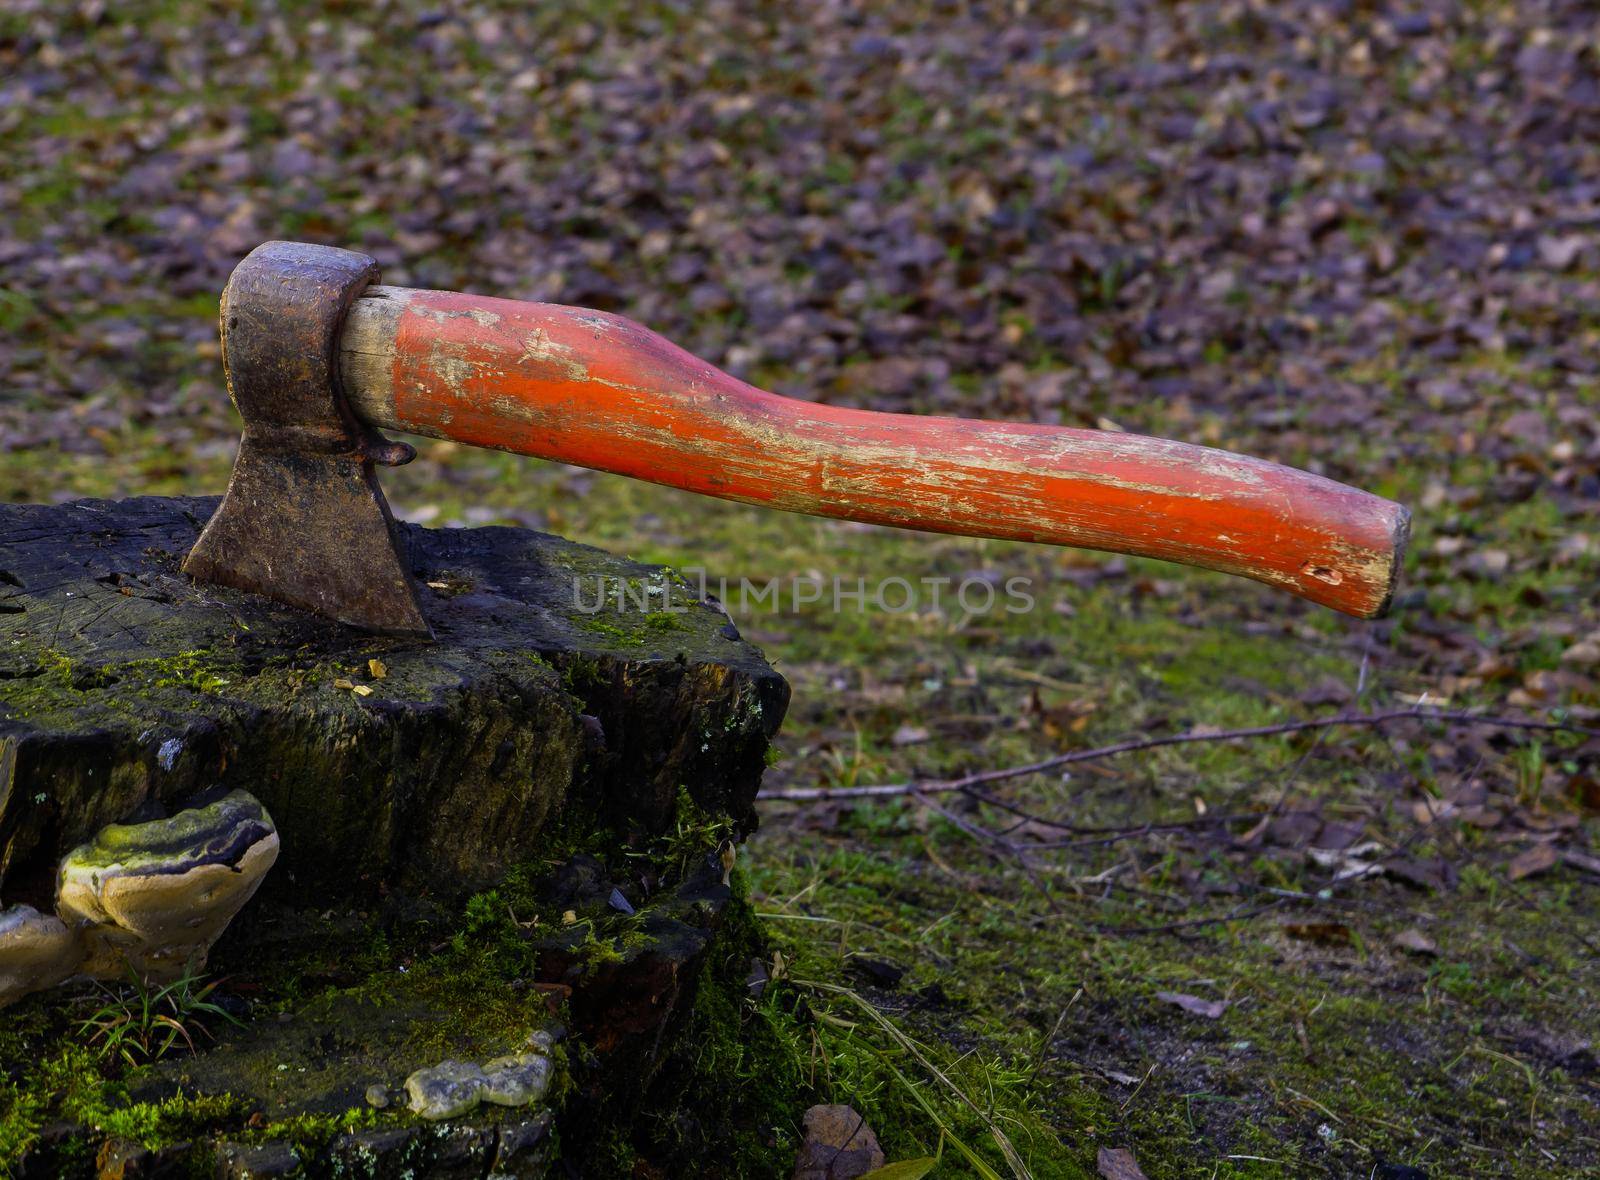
<point x="454" y="1088"/>
<point x="36" y="951"/>
<point x="446" y="1090"/>
<point x="517" y="1079"/>
<point x="155" y="896"/>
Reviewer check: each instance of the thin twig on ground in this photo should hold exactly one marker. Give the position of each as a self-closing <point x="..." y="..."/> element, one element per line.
<point x="980" y="778"/>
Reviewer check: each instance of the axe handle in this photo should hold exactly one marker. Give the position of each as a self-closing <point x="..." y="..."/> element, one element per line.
<point x="600" y="391"/>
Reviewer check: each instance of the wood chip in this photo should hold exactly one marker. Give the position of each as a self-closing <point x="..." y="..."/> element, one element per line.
<point x="377" y="668"/>
<point x="361" y="690"/>
<point x="343" y="683"/>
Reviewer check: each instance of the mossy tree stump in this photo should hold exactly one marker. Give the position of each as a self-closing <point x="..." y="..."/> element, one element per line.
<point x="514" y="827"/>
<point x="387" y="764"/>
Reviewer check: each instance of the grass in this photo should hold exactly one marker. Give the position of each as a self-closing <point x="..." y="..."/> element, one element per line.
<point x="143" y="1022"/>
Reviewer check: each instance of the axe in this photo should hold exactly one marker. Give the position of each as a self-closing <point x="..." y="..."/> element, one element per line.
<point x="320" y="357"/>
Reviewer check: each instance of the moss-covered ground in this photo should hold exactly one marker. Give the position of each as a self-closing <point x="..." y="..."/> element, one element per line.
<point x="1357" y="238"/>
<point x="308" y="1010"/>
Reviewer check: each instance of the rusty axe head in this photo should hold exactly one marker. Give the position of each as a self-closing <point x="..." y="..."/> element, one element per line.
<point x="304" y="520"/>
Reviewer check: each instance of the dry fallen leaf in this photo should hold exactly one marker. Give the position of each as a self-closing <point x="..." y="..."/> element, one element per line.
<point x="1210" y="1009"/>
<point x="1583" y="654"/>
<point x="1117" y="1163"/>
<point x="1585" y="788"/>
<point x="341" y="682"/>
<point x="909" y="735"/>
<point x="1426" y="811"/>
<point x="1347" y="862"/>
<point x="377" y="668"/>
<point x="361" y="690"/>
<point x="1582" y="860"/>
<point x="1537" y="859"/>
<point x="1489" y="563"/>
<point x="1413" y="940"/>
<point x="1544" y="821"/>
<point x="1328" y="933"/>
<point x="1559" y="252"/>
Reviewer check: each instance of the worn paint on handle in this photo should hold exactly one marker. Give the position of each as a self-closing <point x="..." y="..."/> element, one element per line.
<point x="597" y="390"/>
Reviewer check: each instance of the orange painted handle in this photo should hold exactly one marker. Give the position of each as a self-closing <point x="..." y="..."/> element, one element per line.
<point x="600" y="391"/>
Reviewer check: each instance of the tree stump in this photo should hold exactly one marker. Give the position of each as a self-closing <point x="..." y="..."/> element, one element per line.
<point x="510" y="845"/>
<point x="565" y="685"/>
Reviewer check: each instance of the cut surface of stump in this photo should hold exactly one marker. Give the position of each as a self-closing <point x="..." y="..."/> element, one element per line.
<point x="564" y="685"/>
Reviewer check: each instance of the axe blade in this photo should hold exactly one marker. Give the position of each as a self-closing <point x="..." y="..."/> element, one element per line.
<point x="312" y="531"/>
<point x="304" y="520"/>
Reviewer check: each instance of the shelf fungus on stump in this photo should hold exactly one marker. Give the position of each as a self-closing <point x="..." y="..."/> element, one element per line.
<point x="454" y="1088"/>
<point x="155" y="896"/>
<point x="36" y="951"/>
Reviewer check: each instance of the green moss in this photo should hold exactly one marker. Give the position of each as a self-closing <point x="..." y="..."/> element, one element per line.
<point x="731" y="1093"/>
<point x="62" y="684"/>
<point x="189" y="670"/>
<point x="608" y="629"/>
<point x="52" y="675"/>
<point x="71" y="1084"/>
<point x="153" y="1124"/>
<point x="695" y="833"/>
<point x="22" y="1112"/>
<point x="310" y="1133"/>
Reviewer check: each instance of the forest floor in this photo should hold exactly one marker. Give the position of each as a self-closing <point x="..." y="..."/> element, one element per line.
<point x="1357" y="238"/>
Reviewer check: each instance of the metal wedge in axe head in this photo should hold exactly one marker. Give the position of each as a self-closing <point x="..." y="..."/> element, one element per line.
<point x="319" y="357"/>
